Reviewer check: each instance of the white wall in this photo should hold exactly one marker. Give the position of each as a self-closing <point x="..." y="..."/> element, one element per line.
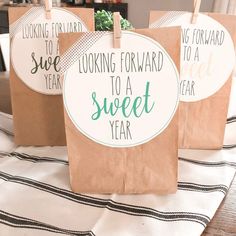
<point x="138" y="13"/>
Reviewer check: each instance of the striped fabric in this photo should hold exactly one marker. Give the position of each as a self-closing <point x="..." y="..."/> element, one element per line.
<point x="35" y="195"/>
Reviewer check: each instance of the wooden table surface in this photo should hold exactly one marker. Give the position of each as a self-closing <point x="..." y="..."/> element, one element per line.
<point x="224" y="221"/>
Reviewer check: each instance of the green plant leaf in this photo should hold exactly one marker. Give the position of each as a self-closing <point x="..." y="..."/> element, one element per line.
<point x="104" y="21"/>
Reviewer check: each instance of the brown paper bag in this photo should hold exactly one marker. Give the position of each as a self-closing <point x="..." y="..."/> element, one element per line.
<point x="96" y="167"/>
<point x="35" y="88"/>
<point x="202" y="123"/>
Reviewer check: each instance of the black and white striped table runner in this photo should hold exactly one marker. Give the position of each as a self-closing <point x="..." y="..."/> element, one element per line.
<point x="35" y="196"/>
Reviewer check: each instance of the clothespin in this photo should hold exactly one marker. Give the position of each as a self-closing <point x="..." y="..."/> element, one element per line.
<point x="197" y="4"/>
<point x="48" y="7"/>
<point x="116" y="30"/>
<point x="35" y="2"/>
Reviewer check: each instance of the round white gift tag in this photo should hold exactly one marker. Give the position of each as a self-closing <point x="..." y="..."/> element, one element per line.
<point x="207" y="55"/>
<point x="121" y="97"/>
<point x="35" y="50"/>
